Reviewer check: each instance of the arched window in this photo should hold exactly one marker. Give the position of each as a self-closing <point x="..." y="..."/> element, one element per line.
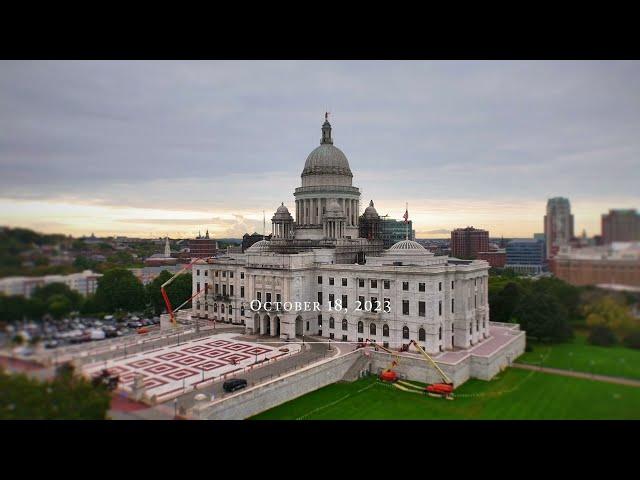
<point x="422" y="335"/>
<point x="242" y="310"/>
<point x="385" y="330"/>
<point x="215" y="307"/>
<point x="405" y="332"/>
<point x="360" y="327"/>
<point x="331" y="322"/>
<point x="230" y="309"/>
<point x="222" y="308"/>
<point x="344" y="324"/>
<point x="440" y="333"/>
<point x="372" y="329"/>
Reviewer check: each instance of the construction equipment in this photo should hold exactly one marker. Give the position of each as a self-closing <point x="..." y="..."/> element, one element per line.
<point x="444" y="389"/>
<point x="388" y="374"/>
<point x="170" y="310"/>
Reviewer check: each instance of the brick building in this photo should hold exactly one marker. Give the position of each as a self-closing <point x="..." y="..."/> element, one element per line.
<point x="615" y="264"/>
<point x="620" y="226"/>
<point x="467" y="242"/>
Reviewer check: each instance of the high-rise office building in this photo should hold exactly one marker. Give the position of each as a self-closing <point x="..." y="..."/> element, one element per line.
<point x="558" y="225"/>
<point x="620" y="226"/>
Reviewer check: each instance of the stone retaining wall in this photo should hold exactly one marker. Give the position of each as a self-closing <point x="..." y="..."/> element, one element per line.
<point x="252" y="401"/>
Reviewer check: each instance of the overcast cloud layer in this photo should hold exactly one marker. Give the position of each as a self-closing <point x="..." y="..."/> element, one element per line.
<point x="146" y="148"/>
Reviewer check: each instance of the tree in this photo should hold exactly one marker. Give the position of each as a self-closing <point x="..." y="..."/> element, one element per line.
<point x="83" y="263"/>
<point x="91" y="305"/>
<point x="45" y="293"/>
<point x="179" y="290"/>
<point x="503" y="303"/>
<point x="12" y="307"/>
<point x="633" y="340"/>
<point x="66" y="397"/>
<point x="542" y="316"/>
<point x="567" y="294"/>
<point x="35" y="309"/>
<point x="59" y="305"/>
<point x="611" y="313"/>
<point x="601" y="336"/>
<point x="120" y="289"/>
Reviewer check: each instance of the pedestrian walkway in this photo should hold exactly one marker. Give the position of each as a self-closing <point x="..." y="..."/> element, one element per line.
<point x="585" y="375"/>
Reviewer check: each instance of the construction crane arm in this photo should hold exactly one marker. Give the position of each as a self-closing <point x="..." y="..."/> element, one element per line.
<point x="426" y="355"/>
<point x="168" y="282"/>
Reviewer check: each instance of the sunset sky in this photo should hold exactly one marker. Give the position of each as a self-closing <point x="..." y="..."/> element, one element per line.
<point x="170" y="148"/>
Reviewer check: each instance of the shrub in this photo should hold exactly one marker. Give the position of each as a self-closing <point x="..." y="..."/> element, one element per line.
<point x="632" y="340"/>
<point x="601" y="336"/>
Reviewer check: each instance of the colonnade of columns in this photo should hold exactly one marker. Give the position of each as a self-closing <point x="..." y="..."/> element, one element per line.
<point x="281" y="229"/>
<point x="309" y="210"/>
<point x="333" y="228"/>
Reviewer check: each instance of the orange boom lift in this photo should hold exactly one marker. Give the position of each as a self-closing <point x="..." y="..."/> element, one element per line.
<point x="443" y="389"/>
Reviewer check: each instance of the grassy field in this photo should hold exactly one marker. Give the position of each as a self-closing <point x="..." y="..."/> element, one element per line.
<point x="578" y="355"/>
<point x="514" y="394"/>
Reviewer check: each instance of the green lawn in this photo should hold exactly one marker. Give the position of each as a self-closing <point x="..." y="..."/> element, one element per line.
<point x="514" y="394"/>
<point x="578" y="355"/>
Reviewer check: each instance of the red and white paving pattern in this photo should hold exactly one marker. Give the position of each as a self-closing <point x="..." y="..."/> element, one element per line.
<point x="171" y="368"/>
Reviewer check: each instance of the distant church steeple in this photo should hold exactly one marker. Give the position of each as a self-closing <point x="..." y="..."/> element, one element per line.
<point x="167" y="248"/>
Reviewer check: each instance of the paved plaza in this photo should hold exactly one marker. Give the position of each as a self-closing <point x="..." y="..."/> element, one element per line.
<point x="173" y="368"/>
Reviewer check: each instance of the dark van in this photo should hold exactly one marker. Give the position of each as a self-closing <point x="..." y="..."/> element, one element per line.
<point x="234" y="384"/>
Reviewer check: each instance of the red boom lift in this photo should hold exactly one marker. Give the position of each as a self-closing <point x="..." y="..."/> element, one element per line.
<point x="443" y="389"/>
<point x="171" y="311"/>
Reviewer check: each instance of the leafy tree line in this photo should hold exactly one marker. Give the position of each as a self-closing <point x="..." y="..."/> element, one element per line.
<point x="549" y="308"/>
<point x="118" y="289"/>
<point x="66" y="397"/>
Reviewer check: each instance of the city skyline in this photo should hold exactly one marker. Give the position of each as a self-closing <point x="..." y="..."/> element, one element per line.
<point x="140" y="148"/>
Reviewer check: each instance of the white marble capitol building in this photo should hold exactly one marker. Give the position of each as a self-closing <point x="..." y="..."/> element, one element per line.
<point x="330" y="254"/>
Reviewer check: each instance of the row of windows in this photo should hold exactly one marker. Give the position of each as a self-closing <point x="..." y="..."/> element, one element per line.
<point x="386" y="284"/>
<point x="422" y="334"/>
<point x="268" y="297"/>
<point x="216" y="289"/>
<point x="222" y="308"/>
<point x="224" y="273"/>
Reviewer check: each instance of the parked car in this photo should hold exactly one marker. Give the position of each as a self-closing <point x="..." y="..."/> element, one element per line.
<point x="51" y="344"/>
<point x="234" y="384"/>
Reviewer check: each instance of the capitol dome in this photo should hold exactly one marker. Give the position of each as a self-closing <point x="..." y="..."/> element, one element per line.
<point x="406" y="245"/>
<point x="327" y="160"/>
<point x="259" y="246"/>
<point x="370" y="211"/>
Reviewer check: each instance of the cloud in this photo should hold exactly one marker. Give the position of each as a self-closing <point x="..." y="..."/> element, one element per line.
<point x="211" y="139"/>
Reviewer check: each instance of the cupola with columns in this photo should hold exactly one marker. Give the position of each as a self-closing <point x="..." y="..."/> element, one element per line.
<point x="282" y="223"/>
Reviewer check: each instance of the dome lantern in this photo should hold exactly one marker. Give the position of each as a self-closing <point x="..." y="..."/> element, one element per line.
<point x="326" y="131"/>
